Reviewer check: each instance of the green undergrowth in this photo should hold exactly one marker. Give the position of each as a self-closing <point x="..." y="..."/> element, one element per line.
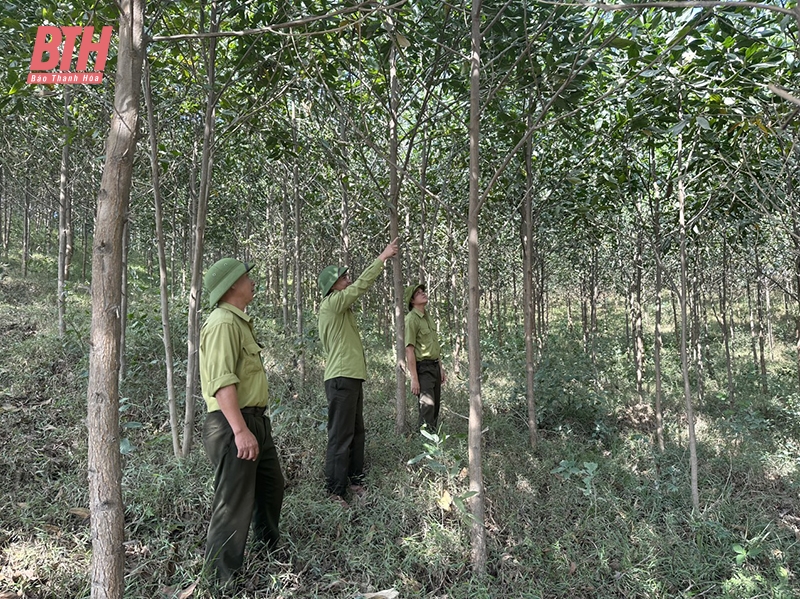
<point x="595" y="512"/>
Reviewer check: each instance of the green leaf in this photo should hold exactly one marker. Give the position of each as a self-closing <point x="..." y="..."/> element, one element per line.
<point x="416" y="459"/>
<point x="125" y="446"/>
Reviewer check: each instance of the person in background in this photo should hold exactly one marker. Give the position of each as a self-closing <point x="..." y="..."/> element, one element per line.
<point x="237" y="434"/>
<point x="423" y="356"/>
<point x="345" y="372"/>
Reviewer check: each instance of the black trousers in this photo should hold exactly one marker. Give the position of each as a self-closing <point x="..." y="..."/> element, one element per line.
<point x="245" y="491"/>
<point x="429" y="375"/>
<point x="344" y="457"/>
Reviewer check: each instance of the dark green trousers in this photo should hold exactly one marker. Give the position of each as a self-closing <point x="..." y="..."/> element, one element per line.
<point x="245" y="492"/>
<point x="344" y="457"/>
<point x="429" y="375"/>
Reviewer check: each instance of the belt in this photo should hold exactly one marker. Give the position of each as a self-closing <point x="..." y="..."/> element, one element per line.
<point x="254" y="410"/>
<point x="436" y="361"/>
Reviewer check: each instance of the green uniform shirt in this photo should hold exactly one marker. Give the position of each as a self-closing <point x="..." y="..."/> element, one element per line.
<point x="230" y="355"/>
<point x="421" y="333"/>
<point x="338" y="332"/>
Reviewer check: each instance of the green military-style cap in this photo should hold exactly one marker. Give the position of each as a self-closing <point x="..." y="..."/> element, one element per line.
<point x="409" y="293"/>
<point x="328" y="276"/>
<point x="222" y="275"/>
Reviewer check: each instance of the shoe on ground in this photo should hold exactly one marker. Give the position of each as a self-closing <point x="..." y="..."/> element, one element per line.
<point x="359" y="491"/>
<point x="338" y="499"/>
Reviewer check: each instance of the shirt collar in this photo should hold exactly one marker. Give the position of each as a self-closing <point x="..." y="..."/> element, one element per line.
<point x="231" y="308"/>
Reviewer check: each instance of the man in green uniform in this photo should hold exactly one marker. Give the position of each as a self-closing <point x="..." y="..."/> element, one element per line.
<point x="237" y="434"/>
<point x="422" y="356"/>
<point x="345" y="371"/>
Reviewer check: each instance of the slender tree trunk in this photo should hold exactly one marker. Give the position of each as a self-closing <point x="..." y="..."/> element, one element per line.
<point x="285" y="259"/>
<point x="298" y="263"/>
<point x="192" y="362"/>
<point x="684" y="325"/>
<point x="166" y="334"/>
<point x="477" y="501"/>
<point x="770" y="339"/>
<point x="527" y="292"/>
<point x="637" y="315"/>
<point x="394" y="225"/>
<point x="762" y="361"/>
<point x="455" y="324"/>
<point x="796" y="276"/>
<point x="724" y="324"/>
<point x="63" y="218"/>
<point x="345" y="182"/>
<point x="423" y="220"/>
<point x="26" y="229"/>
<point x="657" y="341"/>
<point x="696" y="326"/>
<point x="753" y="333"/>
<point x="85" y="247"/>
<point x="105" y="471"/>
<point x="7" y="212"/>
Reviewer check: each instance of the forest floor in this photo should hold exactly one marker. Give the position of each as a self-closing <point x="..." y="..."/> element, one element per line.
<point x="597" y="511"/>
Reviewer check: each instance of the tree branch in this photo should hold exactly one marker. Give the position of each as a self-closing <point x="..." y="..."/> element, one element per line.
<point x="276" y="29"/>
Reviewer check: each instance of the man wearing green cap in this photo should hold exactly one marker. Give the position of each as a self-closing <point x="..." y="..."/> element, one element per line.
<point x="345" y="371"/>
<point x="422" y="356"/>
<point x="237" y="434"/>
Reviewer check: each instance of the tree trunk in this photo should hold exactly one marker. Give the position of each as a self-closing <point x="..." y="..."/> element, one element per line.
<point x="105" y="472"/>
<point x="285" y="260"/>
<point x="26" y="229"/>
<point x="476" y="501"/>
<point x="657" y="341"/>
<point x="696" y="327"/>
<point x="684" y="325"/>
<point x="85" y="242"/>
<point x="724" y="324"/>
<point x="422" y="269"/>
<point x="345" y="182"/>
<point x="298" y="263"/>
<point x="192" y="361"/>
<point x="753" y="330"/>
<point x="637" y="313"/>
<point x="762" y="361"/>
<point x="527" y="292"/>
<point x="394" y="225"/>
<point x="63" y="219"/>
<point x="166" y="336"/>
<point x="796" y="275"/>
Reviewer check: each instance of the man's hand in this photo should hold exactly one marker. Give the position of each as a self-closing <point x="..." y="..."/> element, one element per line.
<point x="389" y="251"/>
<point x="414" y="386"/>
<point x="246" y="445"/>
<point x="441" y="370"/>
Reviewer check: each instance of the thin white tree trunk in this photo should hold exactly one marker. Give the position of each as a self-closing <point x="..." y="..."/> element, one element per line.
<point x="394" y="225"/>
<point x="527" y="293"/>
<point x="684" y="325"/>
<point x="162" y="266"/>
<point x="195" y="292"/>
<point x="476" y="501"/>
<point x="63" y="219"/>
